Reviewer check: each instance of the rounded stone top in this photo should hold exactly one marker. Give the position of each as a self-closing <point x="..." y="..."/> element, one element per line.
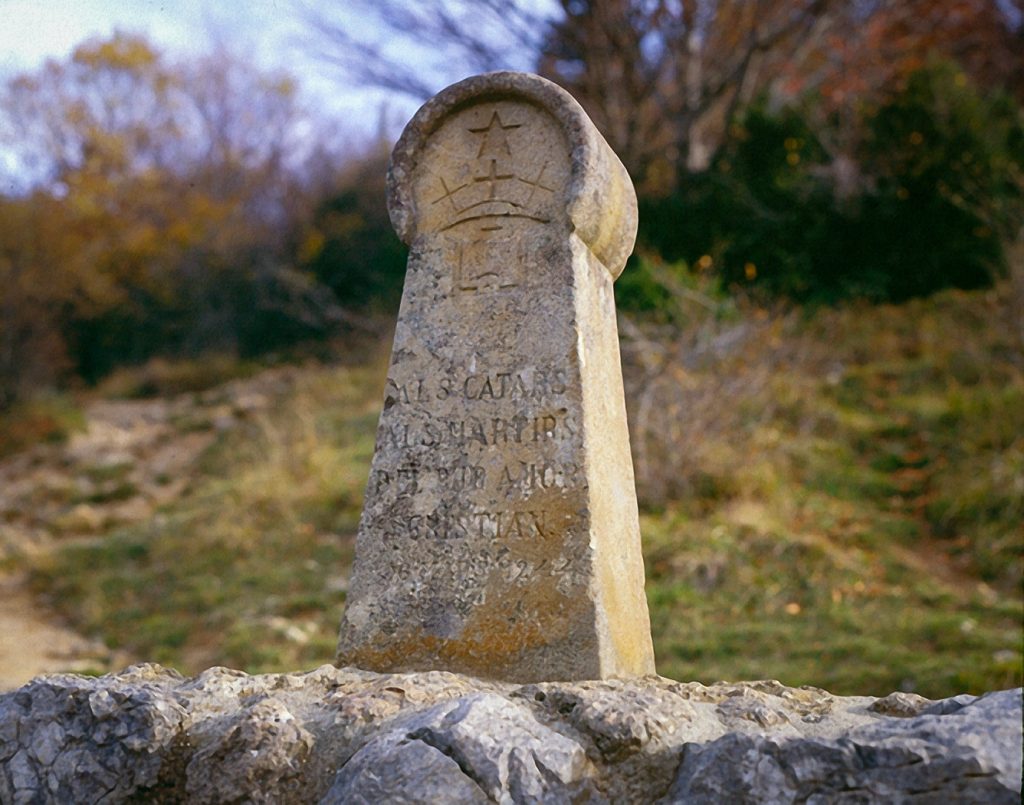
<point x="598" y="196"/>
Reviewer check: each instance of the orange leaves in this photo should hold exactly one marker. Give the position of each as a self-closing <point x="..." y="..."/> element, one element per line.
<point x="156" y="183"/>
<point x="875" y="50"/>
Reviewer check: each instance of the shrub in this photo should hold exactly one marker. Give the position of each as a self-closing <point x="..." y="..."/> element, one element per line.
<point x="352" y="248"/>
<point x="939" y="190"/>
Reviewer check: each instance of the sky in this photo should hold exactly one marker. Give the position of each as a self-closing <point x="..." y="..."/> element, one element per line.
<point x="33" y="30"/>
<point x="270" y="31"/>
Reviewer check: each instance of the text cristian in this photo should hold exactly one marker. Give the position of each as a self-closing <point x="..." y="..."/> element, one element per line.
<point x="479" y="524"/>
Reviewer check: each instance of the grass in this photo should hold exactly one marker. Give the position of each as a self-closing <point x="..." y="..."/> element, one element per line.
<point x="160" y="377"/>
<point x="757" y="604"/>
<point x="248" y="569"/>
<point x="47" y="418"/>
<point x="869" y="536"/>
<point x="831" y="498"/>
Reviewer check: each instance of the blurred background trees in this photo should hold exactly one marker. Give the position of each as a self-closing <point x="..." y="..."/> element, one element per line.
<point x="163" y="192"/>
<point x="812" y="149"/>
<point x="161" y="213"/>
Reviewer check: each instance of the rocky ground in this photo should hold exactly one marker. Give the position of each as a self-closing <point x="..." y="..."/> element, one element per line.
<point x="132" y="457"/>
<point x="344" y="735"/>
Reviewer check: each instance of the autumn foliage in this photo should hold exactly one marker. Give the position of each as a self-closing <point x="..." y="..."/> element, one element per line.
<point x="813" y="149"/>
<point x="160" y="206"/>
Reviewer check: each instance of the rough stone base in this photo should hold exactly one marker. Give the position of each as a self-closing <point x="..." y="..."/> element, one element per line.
<point x="344" y="735"/>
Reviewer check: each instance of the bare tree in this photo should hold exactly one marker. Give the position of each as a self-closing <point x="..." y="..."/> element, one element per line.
<point x="660" y="78"/>
<point x="663" y="78"/>
<point x="414" y="49"/>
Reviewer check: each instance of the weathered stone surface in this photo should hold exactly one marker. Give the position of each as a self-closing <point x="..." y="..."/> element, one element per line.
<point x="394" y="769"/>
<point x="497" y="751"/>
<point x="500" y="535"/>
<point x="264" y="746"/>
<point x="924" y="759"/>
<point x="343" y="735"/>
<point x="60" y="738"/>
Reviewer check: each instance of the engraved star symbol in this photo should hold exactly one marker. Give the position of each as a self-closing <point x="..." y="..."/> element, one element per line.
<point x="495" y="139"/>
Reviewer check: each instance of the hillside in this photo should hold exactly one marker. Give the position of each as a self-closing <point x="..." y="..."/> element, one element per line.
<point x="831" y="498"/>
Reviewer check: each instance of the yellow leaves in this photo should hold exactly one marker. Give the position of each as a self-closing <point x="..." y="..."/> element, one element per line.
<point x="164" y="188"/>
<point x="659" y="178"/>
<point x="340" y="225"/>
<point x="282" y="86"/>
<point x="25" y="84"/>
<point x="311" y="246"/>
<point x="121" y="52"/>
<point x="143" y="240"/>
<point x="793" y="146"/>
<point x="202" y="207"/>
<point x="180" y="232"/>
<point x="84" y="205"/>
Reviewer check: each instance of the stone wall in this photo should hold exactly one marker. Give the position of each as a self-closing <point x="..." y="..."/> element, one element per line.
<point x="344" y="735"/>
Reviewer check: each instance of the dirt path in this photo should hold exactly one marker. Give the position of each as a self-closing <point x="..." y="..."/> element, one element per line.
<point x="132" y="458"/>
<point x="33" y="643"/>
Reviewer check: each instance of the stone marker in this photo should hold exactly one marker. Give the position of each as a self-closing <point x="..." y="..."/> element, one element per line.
<point x="499" y="535"/>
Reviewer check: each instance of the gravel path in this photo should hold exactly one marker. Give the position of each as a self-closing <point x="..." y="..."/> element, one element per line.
<point x="33" y="643"/>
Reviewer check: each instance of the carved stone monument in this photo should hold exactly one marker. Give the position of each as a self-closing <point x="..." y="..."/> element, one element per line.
<point x="499" y="535"/>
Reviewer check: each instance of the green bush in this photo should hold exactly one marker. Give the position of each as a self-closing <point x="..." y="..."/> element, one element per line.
<point x="356" y="252"/>
<point x="249" y="306"/>
<point x="938" y="192"/>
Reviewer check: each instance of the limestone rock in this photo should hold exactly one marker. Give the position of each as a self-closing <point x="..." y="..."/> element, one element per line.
<point x="496" y="751"/>
<point x="348" y="736"/>
<point x="65" y="741"/>
<point x="265" y="747"/>
<point x="924" y="759"/>
<point x="397" y="770"/>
